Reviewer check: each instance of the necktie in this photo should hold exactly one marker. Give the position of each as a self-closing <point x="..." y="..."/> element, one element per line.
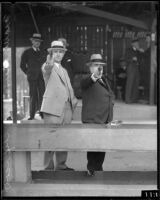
<point x="65" y="81"/>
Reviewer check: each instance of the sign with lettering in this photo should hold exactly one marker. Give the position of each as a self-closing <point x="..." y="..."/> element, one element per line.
<point x="129" y="34"/>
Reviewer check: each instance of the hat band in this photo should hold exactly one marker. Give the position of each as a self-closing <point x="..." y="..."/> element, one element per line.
<point x="57" y="47"/>
<point x="36" y="38"/>
<point x="97" y="60"/>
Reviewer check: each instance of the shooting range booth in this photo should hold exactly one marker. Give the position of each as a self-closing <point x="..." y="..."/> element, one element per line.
<point x="89" y="27"/>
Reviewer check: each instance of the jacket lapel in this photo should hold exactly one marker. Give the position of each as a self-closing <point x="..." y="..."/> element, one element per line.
<point x="59" y="73"/>
<point x="106" y="86"/>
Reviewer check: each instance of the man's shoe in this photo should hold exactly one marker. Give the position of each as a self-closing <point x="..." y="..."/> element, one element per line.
<point x="67" y="169"/>
<point x="30" y="118"/>
<point x="90" y="173"/>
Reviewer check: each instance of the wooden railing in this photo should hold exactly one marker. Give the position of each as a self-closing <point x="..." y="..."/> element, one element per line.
<point x="22" y="139"/>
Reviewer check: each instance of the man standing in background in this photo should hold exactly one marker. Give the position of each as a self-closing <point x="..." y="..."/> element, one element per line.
<point x="133" y="72"/>
<point x="121" y="77"/>
<point x="31" y="63"/>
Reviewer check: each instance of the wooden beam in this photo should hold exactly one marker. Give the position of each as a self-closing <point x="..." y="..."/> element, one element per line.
<point x="85" y="136"/>
<point x="34" y="20"/>
<point x="107" y="15"/>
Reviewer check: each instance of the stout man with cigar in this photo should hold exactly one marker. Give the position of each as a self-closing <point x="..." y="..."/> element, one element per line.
<point x="97" y="105"/>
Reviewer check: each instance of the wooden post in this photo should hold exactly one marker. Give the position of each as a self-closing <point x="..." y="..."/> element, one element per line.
<point x="112" y="55"/>
<point x="152" y="63"/>
<point x="105" y="43"/>
<point x="22" y="166"/>
<point x="33" y="18"/>
<point x="13" y="60"/>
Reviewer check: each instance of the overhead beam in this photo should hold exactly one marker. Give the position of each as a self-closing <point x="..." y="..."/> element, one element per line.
<point x="33" y="18"/>
<point x="107" y="15"/>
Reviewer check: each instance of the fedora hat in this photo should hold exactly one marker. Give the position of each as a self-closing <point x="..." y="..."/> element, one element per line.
<point x="134" y="40"/>
<point x="64" y="41"/>
<point x="36" y="36"/>
<point x="97" y="59"/>
<point x="58" y="45"/>
<point x="122" y="59"/>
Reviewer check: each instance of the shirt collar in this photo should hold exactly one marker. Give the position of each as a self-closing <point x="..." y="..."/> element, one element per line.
<point x="57" y="65"/>
<point x="35" y="49"/>
<point x="134" y="48"/>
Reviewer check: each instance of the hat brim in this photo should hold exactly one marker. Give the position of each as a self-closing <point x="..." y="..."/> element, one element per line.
<point x="99" y="63"/>
<point x="51" y="49"/>
<point x="36" y="39"/>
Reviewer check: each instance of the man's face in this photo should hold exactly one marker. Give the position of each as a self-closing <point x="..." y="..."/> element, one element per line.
<point x="58" y="55"/>
<point x="36" y="43"/>
<point x="96" y="68"/>
<point x="122" y="63"/>
<point x="135" y="44"/>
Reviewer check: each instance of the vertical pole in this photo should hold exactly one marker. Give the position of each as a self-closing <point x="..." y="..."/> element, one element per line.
<point x="112" y="56"/>
<point x="13" y="61"/>
<point x="105" y="42"/>
<point x="124" y="47"/>
<point x="152" y="63"/>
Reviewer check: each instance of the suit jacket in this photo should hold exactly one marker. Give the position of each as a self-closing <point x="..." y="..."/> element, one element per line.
<point x="55" y="94"/>
<point x="31" y="63"/>
<point x="130" y="53"/>
<point x="97" y="101"/>
<point x="67" y="63"/>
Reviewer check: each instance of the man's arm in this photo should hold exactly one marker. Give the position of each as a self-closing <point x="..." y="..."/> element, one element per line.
<point x="24" y="60"/>
<point x="88" y="81"/>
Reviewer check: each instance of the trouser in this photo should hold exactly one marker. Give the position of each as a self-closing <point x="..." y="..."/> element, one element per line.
<point x="95" y="160"/>
<point x="36" y="91"/>
<point x="132" y="84"/>
<point x="61" y="157"/>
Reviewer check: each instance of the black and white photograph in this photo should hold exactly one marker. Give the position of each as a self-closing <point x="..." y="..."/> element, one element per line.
<point x="79" y="99"/>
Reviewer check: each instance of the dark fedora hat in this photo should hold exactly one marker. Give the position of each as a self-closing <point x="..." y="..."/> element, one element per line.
<point x="96" y="58"/>
<point x="134" y="40"/>
<point x="36" y="36"/>
<point x="122" y="59"/>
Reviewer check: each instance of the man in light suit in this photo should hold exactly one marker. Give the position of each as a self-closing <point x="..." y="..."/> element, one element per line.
<point x="59" y="101"/>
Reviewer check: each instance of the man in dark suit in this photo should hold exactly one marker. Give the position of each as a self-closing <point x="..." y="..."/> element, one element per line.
<point x="67" y="61"/>
<point x="133" y="58"/>
<point x="121" y="77"/>
<point x="31" y="63"/>
<point x="97" y="105"/>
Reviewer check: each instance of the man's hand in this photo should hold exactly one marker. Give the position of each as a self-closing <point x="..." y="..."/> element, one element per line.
<point x="122" y="75"/>
<point x="134" y="58"/>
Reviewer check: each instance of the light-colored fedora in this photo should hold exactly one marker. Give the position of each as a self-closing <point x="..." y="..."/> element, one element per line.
<point x="58" y="45"/>
<point x="64" y="41"/>
<point x="97" y="59"/>
<point x="36" y="36"/>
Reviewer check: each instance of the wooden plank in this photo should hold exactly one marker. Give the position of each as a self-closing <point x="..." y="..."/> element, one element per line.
<point x="22" y="166"/>
<point x="76" y="189"/>
<point x="105" y="177"/>
<point x="42" y="137"/>
<point x="107" y="15"/>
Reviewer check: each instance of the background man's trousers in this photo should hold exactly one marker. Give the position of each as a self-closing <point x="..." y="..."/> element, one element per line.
<point x="36" y="91"/>
<point x="95" y="160"/>
<point x="61" y="157"/>
<point x="132" y="84"/>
